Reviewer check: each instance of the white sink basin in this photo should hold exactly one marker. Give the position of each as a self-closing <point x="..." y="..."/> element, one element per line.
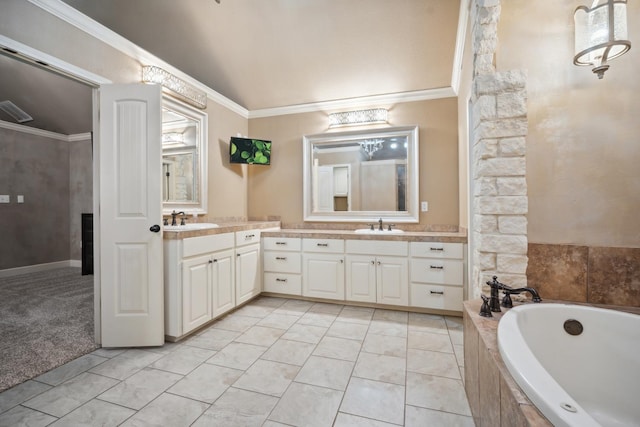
<point x="190" y="227"/>
<point x="378" y="232"/>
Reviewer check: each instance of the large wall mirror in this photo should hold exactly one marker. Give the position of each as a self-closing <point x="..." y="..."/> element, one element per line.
<point x="362" y="175"/>
<point x="184" y="158"/>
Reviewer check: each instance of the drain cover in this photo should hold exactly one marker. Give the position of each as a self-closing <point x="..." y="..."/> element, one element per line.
<point x="573" y="327"/>
<point x="568" y="407"/>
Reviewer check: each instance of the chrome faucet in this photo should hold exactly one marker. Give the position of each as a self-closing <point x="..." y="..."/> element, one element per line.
<point x="174" y="214"/>
<point x="380" y="225"/>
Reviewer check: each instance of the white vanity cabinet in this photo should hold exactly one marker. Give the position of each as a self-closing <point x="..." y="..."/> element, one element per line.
<point x="248" y="265"/>
<point x="437" y="275"/>
<point x="377" y="272"/>
<point x="282" y="265"/>
<point x="199" y="281"/>
<point x="323" y="268"/>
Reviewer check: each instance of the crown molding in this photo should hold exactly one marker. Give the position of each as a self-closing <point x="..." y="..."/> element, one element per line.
<point x="72" y="16"/>
<point x="45" y="133"/>
<point x="461" y="35"/>
<point x="350" y="103"/>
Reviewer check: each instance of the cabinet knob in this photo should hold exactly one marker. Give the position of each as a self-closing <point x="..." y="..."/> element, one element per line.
<point x="210" y="261"/>
<point x="373" y="262"/>
<point x="379" y="263"/>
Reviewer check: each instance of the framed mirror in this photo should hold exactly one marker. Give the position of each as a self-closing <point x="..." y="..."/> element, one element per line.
<point x="361" y="175"/>
<point x="184" y="158"/>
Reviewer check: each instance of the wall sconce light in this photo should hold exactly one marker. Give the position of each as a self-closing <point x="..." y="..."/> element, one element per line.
<point x="176" y="86"/>
<point x="358" y="117"/>
<point x="601" y="34"/>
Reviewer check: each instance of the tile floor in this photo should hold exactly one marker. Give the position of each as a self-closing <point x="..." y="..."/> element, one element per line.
<point x="273" y="362"/>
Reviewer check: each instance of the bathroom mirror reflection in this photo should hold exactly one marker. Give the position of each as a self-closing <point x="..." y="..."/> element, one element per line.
<point x="361" y="175"/>
<point x="184" y="154"/>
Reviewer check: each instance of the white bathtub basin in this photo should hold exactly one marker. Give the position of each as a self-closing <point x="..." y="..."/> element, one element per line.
<point x="590" y="378"/>
<point x="190" y="227"/>
<point x="378" y="232"/>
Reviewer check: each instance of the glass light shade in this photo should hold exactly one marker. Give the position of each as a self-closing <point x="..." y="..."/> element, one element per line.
<point x="600" y="34"/>
<point x="358" y="117"/>
<point x="176" y="86"/>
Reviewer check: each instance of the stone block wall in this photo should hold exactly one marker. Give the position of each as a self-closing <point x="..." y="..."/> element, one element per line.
<point x="498" y="166"/>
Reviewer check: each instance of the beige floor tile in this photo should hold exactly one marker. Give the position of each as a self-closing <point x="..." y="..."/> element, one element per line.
<point x="237" y="355"/>
<point x="379" y="367"/>
<point x="70" y="369"/>
<point x="294" y="307"/>
<point x="433" y="363"/>
<point x="348" y="420"/>
<point x="459" y="352"/>
<point x="374" y="399"/>
<point x="291" y="352"/>
<point x="338" y="348"/>
<point x="126" y="364"/>
<point x="348" y="330"/>
<point x="391" y="315"/>
<point x="456" y="336"/>
<point x="238" y="407"/>
<point x="212" y="339"/>
<point x="305" y="333"/>
<point x="235" y="322"/>
<point x="326" y="372"/>
<point x="454" y="322"/>
<point x="253" y="310"/>
<point x="356" y="315"/>
<point x="168" y="410"/>
<point x="421" y="417"/>
<point x="430" y="341"/>
<point x="427" y="323"/>
<point x="95" y="413"/>
<point x="206" y="383"/>
<point x="389" y="328"/>
<point x="317" y="319"/>
<point x="18" y="394"/>
<point x="387" y="345"/>
<point x="260" y="335"/>
<point x="272" y="302"/>
<point x="438" y="393"/>
<point x="279" y="321"/>
<point x="21" y="416"/>
<point x="323" y="307"/>
<point x="267" y="377"/>
<point x="140" y="388"/>
<point x="183" y="360"/>
<point x="307" y="405"/>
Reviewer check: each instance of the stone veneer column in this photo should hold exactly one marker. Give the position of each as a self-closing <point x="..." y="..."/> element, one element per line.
<point x="498" y="165"/>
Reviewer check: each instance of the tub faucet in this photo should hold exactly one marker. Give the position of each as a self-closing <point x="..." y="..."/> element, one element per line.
<point x="506" y="300"/>
<point x="174" y="214"/>
<point x="494" y="300"/>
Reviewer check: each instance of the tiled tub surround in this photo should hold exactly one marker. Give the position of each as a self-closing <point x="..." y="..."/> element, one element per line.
<point x="494" y="397"/>
<point x="597" y="275"/>
<point x="273" y="362"/>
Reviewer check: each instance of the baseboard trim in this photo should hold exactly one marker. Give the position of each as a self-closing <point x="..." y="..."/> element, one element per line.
<point x="39" y="267"/>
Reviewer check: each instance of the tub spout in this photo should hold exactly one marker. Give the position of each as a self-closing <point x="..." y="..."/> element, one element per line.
<point x="506" y="301"/>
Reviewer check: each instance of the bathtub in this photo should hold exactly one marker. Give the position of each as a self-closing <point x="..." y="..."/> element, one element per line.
<point x="586" y="379"/>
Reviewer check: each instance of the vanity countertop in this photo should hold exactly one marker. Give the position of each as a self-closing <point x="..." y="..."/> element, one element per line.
<point x="224" y="227"/>
<point x="411" y="236"/>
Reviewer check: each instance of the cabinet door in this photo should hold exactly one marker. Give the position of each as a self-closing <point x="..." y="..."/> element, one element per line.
<point x="392" y="280"/>
<point x="223" y="283"/>
<point x="323" y="276"/>
<point x="361" y="278"/>
<point x="196" y="292"/>
<point x="248" y="272"/>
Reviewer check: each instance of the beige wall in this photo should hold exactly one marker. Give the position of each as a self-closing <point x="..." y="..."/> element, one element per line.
<point x="583" y="147"/>
<point x="277" y="189"/>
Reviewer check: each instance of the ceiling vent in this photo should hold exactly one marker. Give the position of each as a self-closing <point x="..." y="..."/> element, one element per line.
<point x="14" y="111"/>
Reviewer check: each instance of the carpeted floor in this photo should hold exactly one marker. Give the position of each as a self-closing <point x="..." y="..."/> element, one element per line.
<point x="46" y="320"/>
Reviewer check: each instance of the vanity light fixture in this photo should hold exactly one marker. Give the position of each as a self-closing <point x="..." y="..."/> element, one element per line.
<point x="176" y="86"/>
<point x="370" y="146"/>
<point x="358" y="117"/>
<point x="172" y="138"/>
<point x="600" y="34"/>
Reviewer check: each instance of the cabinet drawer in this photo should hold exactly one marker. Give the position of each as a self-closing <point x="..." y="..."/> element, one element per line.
<point x="246" y="237"/>
<point x="282" y="262"/>
<point x="377" y="247"/>
<point x="437" y="250"/>
<point x="437" y="271"/>
<point x="436" y="296"/>
<point x="204" y="244"/>
<point x="283" y="283"/>
<point x="282" y="243"/>
<point x="323" y="245"/>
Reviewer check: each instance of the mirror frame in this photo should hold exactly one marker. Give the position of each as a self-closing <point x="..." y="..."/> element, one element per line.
<point x="201" y="118"/>
<point x="411" y="215"/>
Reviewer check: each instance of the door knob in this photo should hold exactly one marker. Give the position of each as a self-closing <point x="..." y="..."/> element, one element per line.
<point x="155" y="228"/>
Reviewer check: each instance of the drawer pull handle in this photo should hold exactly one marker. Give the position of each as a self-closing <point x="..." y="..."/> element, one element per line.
<point x="323" y="245"/>
<point x="281" y="258"/>
<point x="249" y="236"/>
<point x="436" y="249"/>
<point x="281" y="243"/>
<point x="437" y="292"/>
<point x="281" y="280"/>
<point x="436" y="267"/>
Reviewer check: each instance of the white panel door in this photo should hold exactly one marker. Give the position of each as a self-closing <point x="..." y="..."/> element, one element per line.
<point x="130" y="208"/>
<point x="196" y="292"/>
<point x="248" y="272"/>
<point x="323" y="276"/>
<point x="361" y="278"/>
<point x="393" y="283"/>
<point x="223" y="292"/>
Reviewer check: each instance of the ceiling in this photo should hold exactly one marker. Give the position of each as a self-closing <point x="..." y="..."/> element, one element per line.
<point x="266" y="54"/>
